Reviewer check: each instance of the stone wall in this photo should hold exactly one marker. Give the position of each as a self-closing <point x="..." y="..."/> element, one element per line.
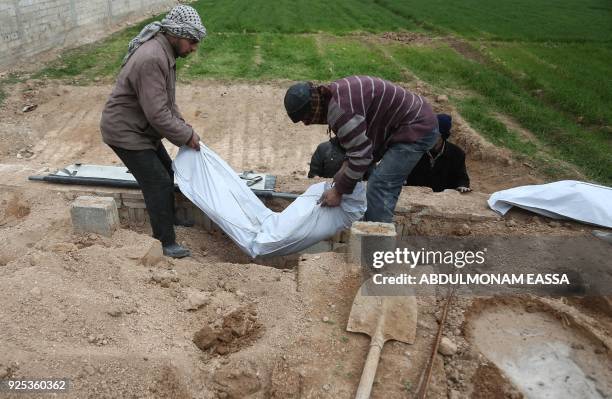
<point x="30" y="27"/>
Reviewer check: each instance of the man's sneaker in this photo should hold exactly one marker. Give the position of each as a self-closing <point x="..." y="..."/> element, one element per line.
<point x="176" y="251"/>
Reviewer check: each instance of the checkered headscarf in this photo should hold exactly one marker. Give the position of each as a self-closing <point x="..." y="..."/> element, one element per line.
<point x="182" y="21"/>
<point x="317" y="113"/>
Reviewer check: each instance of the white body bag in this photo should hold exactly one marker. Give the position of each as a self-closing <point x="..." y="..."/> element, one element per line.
<point x="215" y="188"/>
<point x="566" y="199"/>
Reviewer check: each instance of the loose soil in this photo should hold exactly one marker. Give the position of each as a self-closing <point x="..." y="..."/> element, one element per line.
<point x="255" y="135"/>
<point x="216" y="325"/>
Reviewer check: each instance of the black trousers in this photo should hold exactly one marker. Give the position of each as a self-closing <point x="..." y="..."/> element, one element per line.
<point x="153" y="172"/>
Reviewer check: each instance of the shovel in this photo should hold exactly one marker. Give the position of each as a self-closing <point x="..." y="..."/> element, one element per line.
<point x="383" y="318"/>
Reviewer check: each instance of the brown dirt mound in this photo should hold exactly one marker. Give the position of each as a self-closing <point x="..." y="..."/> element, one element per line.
<point x="238" y="330"/>
<point x="13" y="208"/>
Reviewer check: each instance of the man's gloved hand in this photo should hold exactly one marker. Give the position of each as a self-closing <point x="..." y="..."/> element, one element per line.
<point x="463" y="190"/>
<point x="330" y="198"/>
<point x="194" y="141"/>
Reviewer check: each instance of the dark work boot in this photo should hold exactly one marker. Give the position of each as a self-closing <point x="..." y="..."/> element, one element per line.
<point x="176" y="251"/>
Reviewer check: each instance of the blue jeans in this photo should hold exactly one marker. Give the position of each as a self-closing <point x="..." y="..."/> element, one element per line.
<point x="386" y="181"/>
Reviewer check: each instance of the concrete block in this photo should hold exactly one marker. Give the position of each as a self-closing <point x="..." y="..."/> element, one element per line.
<point x="321" y="246"/>
<point x="95" y="215"/>
<point x="368" y="237"/>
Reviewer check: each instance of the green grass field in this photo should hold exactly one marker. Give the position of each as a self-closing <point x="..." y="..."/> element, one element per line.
<point x="542" y="20"/>
<point x="573" y="77"/>
<point x="516" y="20"/>
<point x="544" y="64"/>
<point x="494" y="92"/>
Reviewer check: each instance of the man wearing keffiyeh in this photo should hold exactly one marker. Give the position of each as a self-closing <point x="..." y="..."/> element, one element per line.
<point x="142" y="110"/>
<point x="182" y="22"/>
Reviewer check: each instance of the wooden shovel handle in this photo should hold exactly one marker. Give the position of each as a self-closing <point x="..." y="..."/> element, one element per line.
<point x="371" y="364"/>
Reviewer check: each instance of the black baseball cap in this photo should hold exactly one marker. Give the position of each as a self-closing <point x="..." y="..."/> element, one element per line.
<point x="297" y="101"/>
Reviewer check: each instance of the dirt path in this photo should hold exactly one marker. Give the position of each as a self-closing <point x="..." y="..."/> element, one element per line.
<point x="245" y="124"/>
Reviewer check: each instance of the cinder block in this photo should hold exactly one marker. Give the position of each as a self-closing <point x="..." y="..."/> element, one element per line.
<point x="367" y="238"/>
<point x="95" y="215"/>
<point x="321" y="246"/>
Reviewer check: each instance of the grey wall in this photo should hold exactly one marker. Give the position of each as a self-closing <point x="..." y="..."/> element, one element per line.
<point x="29" y="27"/>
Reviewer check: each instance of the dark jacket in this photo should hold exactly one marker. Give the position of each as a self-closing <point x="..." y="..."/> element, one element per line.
<point x="327" y="159"/>
<point x="142" y="108"/>
<point x="447" y="172"/>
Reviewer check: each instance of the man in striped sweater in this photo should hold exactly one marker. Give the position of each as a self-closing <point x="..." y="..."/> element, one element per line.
<point x="377" y="122"/>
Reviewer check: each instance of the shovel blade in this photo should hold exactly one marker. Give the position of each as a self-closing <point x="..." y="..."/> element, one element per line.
<point x="398" y="314"/>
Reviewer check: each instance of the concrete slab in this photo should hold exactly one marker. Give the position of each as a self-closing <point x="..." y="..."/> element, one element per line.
<point x="95" y="215"/>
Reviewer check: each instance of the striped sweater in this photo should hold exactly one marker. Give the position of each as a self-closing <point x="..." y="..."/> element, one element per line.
<point x="368" y="114"/>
